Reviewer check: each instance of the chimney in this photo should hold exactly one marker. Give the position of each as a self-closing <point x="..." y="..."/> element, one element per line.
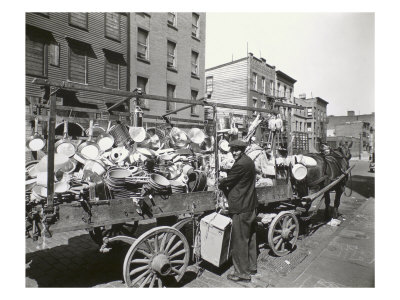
<point x="302" y="96"/>
<point x="250" y="54"/>
<point x="350" y="113"/>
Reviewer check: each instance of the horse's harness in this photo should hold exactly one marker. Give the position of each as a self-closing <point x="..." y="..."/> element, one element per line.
<point x="334" y="154"/>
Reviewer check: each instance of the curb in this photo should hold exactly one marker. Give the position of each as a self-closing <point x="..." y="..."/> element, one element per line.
<point x="296" y="273"/>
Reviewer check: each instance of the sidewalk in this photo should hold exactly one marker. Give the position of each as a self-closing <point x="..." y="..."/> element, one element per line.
<point x="347" y="260"/>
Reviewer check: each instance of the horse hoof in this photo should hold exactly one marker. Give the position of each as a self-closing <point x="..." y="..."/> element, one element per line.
<point x="335" y="213"/>
<point x="326" y="215"/>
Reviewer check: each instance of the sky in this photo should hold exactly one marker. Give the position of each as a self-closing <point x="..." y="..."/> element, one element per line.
<point x="331" y="55"/>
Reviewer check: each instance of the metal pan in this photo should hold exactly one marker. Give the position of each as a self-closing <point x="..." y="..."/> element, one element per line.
<point x="36" y="142"/>
<point x="105" y="140"/>
<point x="89" y="149"/>
<point x="65" y="145"/>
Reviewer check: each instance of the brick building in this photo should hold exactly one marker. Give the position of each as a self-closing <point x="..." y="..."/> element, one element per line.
<point x="167" y="59"/>
<point x="315" y="120"/>
<point x="357" y="127"/>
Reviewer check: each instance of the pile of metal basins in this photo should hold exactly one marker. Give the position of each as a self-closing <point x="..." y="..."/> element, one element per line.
<point x="159" y="184"/>
<point x="123" y="182"/>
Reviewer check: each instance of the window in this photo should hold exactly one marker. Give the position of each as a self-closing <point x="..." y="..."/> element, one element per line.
<point x="284" y="91"/>
<point x="143" y="44"/>
<point x="172" y="19"/>
<point x="263" y="84"/>
<point x="54" y="54"/>
<point x="170" y="95"/>
<point x="112" y="26"/>
<point x="271" y="87"/>
<point x="296" y="124"/>
<point x="79" y="20"/>
<point x="254" y="105"/>
<point x="171" y="55"/>
<point x="309" y="127"/>
<point x="290" y="93"/>
<point x="309" y="112"/>
<point x="209" y="84"/>
<point x="195" y="25"/>
<point x="195" y="63"/>
<point x="142" y="83"/>
<point x="193" y="109"/>
<point x="112" y="71"/>
<point x="279" y="90"/>
<point x="78" y="62"/>
<point x="264" y="103"/>
<point x="36" y="55"/>
<point x="254" y="81"/>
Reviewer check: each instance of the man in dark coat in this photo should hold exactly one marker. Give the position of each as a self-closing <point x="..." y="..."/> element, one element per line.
<point x="239" y="186"/>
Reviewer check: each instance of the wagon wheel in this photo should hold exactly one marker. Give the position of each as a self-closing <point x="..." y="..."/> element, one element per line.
<point x="157" y="254"/>
<point x="283" y="233"/>
<point x="99" y="233"/>
<point x="185" y="226"/>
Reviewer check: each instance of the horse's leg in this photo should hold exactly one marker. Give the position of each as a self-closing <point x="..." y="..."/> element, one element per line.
<point x="327" y="204"/>
<point x="338" y="193"/>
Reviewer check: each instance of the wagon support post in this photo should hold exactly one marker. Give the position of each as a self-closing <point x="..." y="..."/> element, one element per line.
<point x="50" y="149"/>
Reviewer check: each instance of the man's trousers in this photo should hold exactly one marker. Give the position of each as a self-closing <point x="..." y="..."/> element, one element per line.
<point x="244" y="246"/>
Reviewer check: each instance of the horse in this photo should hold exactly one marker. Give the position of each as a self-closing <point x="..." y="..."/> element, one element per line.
<point x="330" y="164"/>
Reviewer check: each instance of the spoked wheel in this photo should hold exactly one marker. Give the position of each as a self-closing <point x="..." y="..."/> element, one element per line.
<point x="157" y="254"/>
<point x="283" y="233"/>
<point x="98" y="233"/>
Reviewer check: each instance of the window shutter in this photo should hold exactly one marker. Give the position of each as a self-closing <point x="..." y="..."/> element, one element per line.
<point x="35" y="56"/>
<point x="112" y="26"/>
<point x="79" y="19"/>
<point x="78" y="64"/>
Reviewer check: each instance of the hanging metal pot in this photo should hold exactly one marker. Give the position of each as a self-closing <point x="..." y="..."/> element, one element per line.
<point x="36" y="142"/>
<point x="65" y="146"/>
<point x="105" y="140"/>
<point x="89" y="149"/>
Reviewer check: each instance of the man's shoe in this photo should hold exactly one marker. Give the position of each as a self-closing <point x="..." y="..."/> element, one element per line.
<point x="254" y="272"/>
<point x="235" y="278"/>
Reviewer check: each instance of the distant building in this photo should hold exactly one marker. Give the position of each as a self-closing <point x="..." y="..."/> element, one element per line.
<point x="315" y="120"/>
<point x="356" y="127"/>
<point x="249" y="81"/>
<point x="167" y="59"/>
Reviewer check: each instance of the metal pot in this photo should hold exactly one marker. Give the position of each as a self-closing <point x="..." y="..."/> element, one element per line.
<point x="105" y="140"/>
<point x="36" y="142"/>
<point x="65" y="146"/>
<point x="89" y="149"/>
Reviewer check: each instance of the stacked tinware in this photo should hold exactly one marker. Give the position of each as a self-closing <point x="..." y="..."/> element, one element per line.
<point x="178" y="187"/>
<point x="159" y="184"/>
<point x="122" y="182"/>
<point x="197" y="181"/>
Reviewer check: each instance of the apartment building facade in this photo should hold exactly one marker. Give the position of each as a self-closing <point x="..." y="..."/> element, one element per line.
<point x="85" y="48"/>
<point x="167" y="59"/>
<point x="315" y="121"/>
<point x="249" y="81"/>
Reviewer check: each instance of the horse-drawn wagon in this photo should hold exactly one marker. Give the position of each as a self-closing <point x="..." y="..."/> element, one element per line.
<point x="164" y="251"/>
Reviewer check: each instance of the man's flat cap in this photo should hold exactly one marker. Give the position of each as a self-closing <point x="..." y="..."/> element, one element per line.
<point x="238" y="144"/>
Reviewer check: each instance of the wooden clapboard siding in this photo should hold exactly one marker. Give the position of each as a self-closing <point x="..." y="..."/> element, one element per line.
<point x="58" y="25"/>
<point x="230" y="84"/>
